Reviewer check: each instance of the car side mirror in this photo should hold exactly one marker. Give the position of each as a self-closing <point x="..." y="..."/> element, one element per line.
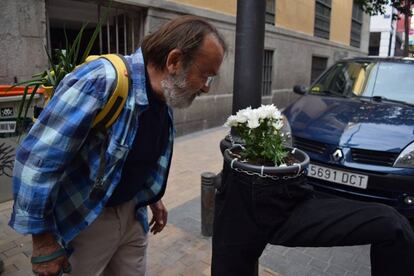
<point x="300" y="89"/>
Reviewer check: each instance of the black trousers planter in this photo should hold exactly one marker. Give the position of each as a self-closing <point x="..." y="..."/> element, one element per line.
<point x="251" y="212"/>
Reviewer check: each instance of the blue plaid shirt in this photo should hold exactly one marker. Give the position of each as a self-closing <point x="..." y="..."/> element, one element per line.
<point x="57" y="163"/>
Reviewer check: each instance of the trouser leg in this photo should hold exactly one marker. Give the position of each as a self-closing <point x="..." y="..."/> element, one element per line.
<point x="130" y="257"/>
<point x="93" y="247"/>
<point x="114" y="243"/>
<point x="247" y="210"/>
<point x="341" y="222"/>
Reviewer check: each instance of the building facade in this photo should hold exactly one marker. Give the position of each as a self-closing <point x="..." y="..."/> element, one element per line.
<point x="302" y="38"/>
<point x="383" y="32"/>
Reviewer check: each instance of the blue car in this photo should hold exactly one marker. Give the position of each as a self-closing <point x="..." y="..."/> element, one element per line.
<point x="356" y="122"/>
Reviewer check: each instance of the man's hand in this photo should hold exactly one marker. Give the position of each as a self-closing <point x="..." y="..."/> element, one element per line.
<point x="159" y="217"/>
<point x="45" y="244"/>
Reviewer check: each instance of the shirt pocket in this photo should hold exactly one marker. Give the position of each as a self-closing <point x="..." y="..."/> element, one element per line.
<point x="116" y="152"/>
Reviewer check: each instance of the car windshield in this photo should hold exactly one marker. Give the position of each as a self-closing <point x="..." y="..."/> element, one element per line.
<point x="392" y="81"/>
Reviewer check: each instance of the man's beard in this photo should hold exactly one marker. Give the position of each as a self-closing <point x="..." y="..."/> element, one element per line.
<point x="176" y="92"/>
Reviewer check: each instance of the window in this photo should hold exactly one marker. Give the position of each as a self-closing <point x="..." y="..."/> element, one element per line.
<point x="267" y="73"/>
<point x="318" y="66"/>
<point x="120" y="33"/>
<point x="270" y="12"/>
<point x="374" y="43"/>
<point x="356" y="26"/>
<point x="322" y="18"/>
<point x="369" y="78"/>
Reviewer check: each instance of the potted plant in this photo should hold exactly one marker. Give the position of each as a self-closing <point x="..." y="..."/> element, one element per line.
<point x="263" y="149"/>
<point x="62" y="62"/>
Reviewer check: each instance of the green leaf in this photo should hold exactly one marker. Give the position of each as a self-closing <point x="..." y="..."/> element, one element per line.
<point x="23" y="100"/>
<point x="95" y="33"/>
<point x="51" y="78"/>
<point x="74" y="51"/>
<point x="29" y="102"/>
<point x="50" y="60"/>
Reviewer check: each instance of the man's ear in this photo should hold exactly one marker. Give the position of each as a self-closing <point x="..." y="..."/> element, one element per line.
<point x="174" y="63"/>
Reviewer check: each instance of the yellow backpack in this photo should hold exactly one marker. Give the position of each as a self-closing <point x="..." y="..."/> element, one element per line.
<point x="113" y="107"/>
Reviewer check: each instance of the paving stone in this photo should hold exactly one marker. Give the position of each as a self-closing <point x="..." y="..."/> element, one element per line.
<point x="351" y="274"/>
<point x="196" y="269"/>
<point x="282" y="250"/>
<point x="268" y="272"/>
<point x="188" y="259"/>
<point x="364" y="271"/>
<point x="318" y="264"/>
<point x="321" y="253"/>
<point x="364" y="256"/>
<point x="278" y="263"/>
<point x="177" y="269"/>
<point x="348" y="264"/>
<point x="335" y="270"/>
<point x="316" y="272"/>
<point x="344" y="252"/>
<point x="295" y="269"/>
<point x="298" y="256"/>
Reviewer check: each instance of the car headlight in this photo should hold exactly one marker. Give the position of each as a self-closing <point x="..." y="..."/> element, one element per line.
<point x="286" y="132"/>
<point x="406" y="158"/>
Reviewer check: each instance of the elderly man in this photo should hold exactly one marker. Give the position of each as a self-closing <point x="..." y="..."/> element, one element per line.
<point x="57" y="163"/>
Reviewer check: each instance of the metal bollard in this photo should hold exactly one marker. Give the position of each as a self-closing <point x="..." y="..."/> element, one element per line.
<point x="207" y="203"/>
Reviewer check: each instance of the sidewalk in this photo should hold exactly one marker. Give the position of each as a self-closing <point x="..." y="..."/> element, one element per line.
<point x="181" y="249"/>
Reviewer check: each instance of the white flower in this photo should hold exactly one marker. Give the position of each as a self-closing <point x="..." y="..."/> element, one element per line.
<point x="277" y="115"/>
<point x="231" y="121"/>
<point x="241" y="119"/>
<point x="278" y="124"/>
<point x="243" y="115"/>
<point x="266" y="111"/>
<point x="253" y="121"/>
<point x="260" y="128"/>
<point x="252" y="118"/>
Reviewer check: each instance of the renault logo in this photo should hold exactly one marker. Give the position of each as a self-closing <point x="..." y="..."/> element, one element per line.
<point x="337" y="155"/>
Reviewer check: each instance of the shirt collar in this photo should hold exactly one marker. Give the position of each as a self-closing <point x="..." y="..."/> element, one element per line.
<point x="138" y="77"/>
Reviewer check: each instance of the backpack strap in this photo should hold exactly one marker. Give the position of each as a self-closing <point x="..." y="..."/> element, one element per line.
<point x="108" y="115"/>
<point x="110" y="112"/>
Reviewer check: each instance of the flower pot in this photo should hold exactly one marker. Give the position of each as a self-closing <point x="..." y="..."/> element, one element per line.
<point x="302" y="162"/>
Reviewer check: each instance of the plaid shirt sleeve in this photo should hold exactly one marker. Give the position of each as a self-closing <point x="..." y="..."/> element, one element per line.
<point x="53" y="141"/>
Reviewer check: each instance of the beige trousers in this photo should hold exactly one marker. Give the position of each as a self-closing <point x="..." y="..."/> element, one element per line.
<point x="114" y="244"/>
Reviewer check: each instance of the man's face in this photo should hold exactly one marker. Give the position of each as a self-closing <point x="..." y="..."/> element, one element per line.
<point x="181" y="89"/>
<point x="176" y="91"/>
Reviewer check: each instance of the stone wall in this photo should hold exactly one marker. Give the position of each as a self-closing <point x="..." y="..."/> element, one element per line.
<point x="22" y="39"/>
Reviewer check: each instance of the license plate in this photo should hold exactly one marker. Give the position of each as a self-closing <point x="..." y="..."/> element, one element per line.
<point x="7" y="126"/>
<point x="338" y="176"/>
